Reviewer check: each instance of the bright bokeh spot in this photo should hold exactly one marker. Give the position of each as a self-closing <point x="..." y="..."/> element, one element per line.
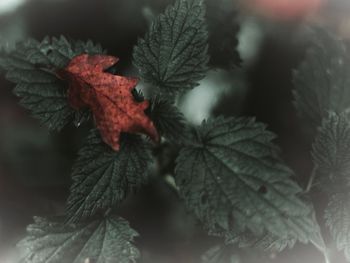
<point x="285" y="9"/>
<point x="10" y="5"/>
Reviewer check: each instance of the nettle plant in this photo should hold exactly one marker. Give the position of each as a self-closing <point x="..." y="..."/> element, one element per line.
<point x="228" y="171"/>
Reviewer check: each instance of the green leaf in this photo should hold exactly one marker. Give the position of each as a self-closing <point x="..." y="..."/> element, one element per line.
<point x="331" y="153"/>
<point x="269" y="242"/>
<point x="102" y="241"/>
<point x="337" y="217"/>
<point x="322" y="81"/>
<point x="57" y="52"/>
<point x="266" y="242"/>
<point x="103" y="177"/>
<point x="173" y="54"/>
<point x="220" y="254"/>
<point x="275" y="244"/>
<point x="32" y="67"/>
<point x="223" y="27"/>
<point x="168" y="120"/>
<point x="232" y="179"/>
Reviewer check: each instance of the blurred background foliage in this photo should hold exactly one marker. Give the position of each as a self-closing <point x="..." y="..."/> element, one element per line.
<point x="253" y="50"/>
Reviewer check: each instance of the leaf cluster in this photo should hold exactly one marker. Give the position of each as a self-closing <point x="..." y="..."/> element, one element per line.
<point x="228" y="171"/>
<point x="322" y="97"/>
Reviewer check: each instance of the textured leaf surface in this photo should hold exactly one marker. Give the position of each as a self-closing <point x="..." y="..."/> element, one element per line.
<point x="231" y="178"/>
<point x="32" y="66"/>
<point x="173" y="54"/>
<point x="168" y="120"/>
<point x="337" y="217"/>
<point x="331" y="153"/>
<point x="275" y="244"/>
<point x="322" y="81"/>
<point x="103" y="177"/>
<point x="223" y="27"/>
<point x="106" y="241"/>
<point x="266" y="242"/>
<point x="109" y="97"/>
<point x="220" y="254"/>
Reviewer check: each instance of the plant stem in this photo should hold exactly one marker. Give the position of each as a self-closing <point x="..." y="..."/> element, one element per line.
<point x="326" y="258"/>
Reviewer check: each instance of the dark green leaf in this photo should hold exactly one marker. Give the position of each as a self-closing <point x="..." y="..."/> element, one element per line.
<point x="275" y="244"/>
<point x="223" y="27"/>
<point x="173" y="54"/>
<point x="331" y="153"/>
<point x="322" y="81"/>
<point x="32" y="66"/>
<point x="231" y="178"/>
<point x="103" y="177"/>
<point x="265" y="242"/>
<point x="102" y="241"/>
<point x="168" y="120"/>
<point x="337" y="217"/>
<point x="220" y="254"/>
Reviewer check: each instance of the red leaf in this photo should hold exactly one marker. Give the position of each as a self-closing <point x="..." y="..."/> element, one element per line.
<point x="108" y="96"/>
